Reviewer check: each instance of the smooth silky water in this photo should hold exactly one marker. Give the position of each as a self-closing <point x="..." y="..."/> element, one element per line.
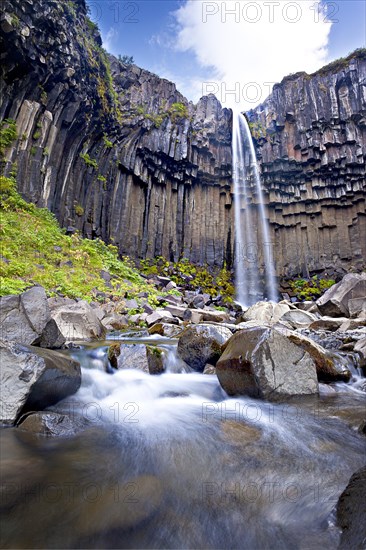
<point x="170" y="462"/>
<point x="254" y="264"/>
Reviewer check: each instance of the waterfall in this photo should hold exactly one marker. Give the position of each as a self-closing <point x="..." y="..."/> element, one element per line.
<point x="254" y="265"/>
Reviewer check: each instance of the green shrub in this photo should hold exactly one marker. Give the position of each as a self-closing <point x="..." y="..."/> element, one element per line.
<point x="89" y="161"/>
<point x="310" y="289"/>
<point x="8" y="134"/>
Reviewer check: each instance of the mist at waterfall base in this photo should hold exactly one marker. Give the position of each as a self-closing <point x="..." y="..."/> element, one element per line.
<point x="170" y="462"/>
<point x="254" y="265"/>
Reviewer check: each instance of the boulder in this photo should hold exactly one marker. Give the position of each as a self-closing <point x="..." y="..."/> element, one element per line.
<point x="160" y="316"/>
<point x="357" y="307"/>
<point x="351" y="512"/>
<point x="329" y="366"/>
<point x="337" y="300"/>
<point x="209" y="369"/>
<point x="24" y="317"/>
<point x="211" y="315"/>
<point x="360" y="349"/>
<point x="328" y="323"/>
<point x="201" y="344"/>
<point x="176" y="311"/>
<point x="298" y="319"/>
<point x="51" y="336"/>
<point x="52" y="424"/>
<point x="77" y="321"/>
<point x="148" y="359"/>
<point x="114" y="321"/>
<point x="34" y="378"/>
<point x="165" y="329"/>
<point x="263" y="362"/>
<point x="267" y="312"/>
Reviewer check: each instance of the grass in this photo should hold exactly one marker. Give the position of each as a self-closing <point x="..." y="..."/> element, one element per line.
<point x="35" y="250"/>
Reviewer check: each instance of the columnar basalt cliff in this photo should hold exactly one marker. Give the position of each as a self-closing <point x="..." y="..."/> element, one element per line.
<point x="112" y="149"/>
<point x="311" y="142"/>
<point x="118" y="153"/>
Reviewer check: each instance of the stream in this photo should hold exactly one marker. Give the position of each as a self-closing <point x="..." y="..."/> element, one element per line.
<point x="169" y="461"/>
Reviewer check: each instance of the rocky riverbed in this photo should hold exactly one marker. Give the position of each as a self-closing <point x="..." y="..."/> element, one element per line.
<point x="236" y="388"/>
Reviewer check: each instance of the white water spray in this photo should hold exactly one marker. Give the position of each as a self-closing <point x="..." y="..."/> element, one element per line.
<point x="255" y="273"/>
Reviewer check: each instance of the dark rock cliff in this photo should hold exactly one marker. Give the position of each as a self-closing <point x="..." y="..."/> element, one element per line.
<point x="311" y="142"/>
<point x="112" y="149"/>
<point x="119" y="153"/>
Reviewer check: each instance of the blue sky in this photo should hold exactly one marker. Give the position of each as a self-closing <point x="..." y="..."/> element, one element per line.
<point x="236" y="50"/>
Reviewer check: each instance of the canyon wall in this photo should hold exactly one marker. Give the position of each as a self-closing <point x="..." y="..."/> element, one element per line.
<point x="113" y="150"/>
<point x="310" y="138"/>
<point x="118" y="153"/>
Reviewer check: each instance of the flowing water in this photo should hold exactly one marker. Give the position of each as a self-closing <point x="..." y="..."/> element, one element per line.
<point x="255" y="273"/>
<point x="170" y="462"/>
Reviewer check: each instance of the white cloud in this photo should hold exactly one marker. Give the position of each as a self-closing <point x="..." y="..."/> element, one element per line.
<point x="251" y="42"/>
<point x="110" y="41"/>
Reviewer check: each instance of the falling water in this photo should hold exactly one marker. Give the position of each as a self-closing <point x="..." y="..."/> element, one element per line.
<point x="254" y="281"/>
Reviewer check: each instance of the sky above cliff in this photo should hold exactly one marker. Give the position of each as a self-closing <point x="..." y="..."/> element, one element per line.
<point x="236" y="50"/>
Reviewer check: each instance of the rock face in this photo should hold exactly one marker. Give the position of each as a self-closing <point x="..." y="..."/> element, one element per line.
<point x="76" y="320"/>
<point x="107" y="146"/>
<point x="24" y="317"/>
<point x="351" y="512"/>
<point x="262" y="362"/>
<point x="34" y="378"/>
<point x="202" y="344"/>
<point x="311" y="143"/>
<point x="340" y="299"/>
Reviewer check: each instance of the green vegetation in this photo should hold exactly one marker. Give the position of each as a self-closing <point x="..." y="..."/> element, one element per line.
<point x="107" y="142"/>
<point x="79" y="210"/>
<point x="214" y="282"/>
<point x="15" y="20"/>
<point x="37" y="134"/>
<point x="341" y="63"/>
<point x="101" y="178"/>
<point x="257" y="130"/>
<point x="8" y="134"/>
<point x="310" y="289"/>
<point x="126" y="59"/>
<point x="33" y="150"/>
<point x="89" y="161"/>
<point x="178" y="110"/>
<point x="35" y="250"/>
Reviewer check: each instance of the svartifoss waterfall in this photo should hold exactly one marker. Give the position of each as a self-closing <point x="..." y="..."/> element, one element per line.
<point x="254" y="266"/>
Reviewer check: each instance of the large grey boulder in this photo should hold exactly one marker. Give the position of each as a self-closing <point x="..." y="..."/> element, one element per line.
<point x="262" y="362"/>
<point x="267" y="312"/>
<point x="149" y="359"/>
<point x="34" y="378"/>
<point x="298" y="319"/>
<point x="201" y="344"/>
<point x="360" y="349"/>
<point x="344" y="298"/>
<point x="351" y="513"/>
<point x="25" y="316"/>
<point x="76" y="320"/>
<point x="329" y="366"/>
<point x="52" y="424"/>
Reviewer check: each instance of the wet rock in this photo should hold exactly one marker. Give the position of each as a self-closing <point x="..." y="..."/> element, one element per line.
<point x="267" y="312"/>
<point x="351" y="512"/>
<point x="360" y="349"/>
<point x="335" y="301"/>
<point x="329" y="367"/>
<point x="201" y="344"/>
<point x="52" y="424"/>
<point x="155" y="359"/>
<point x="262" y="362"/>
<point x="137" y="500"/>
<point x="149" y="359"/>
<point x="52" y="337"/>
<point x="77" y="321"/>
<point x="209" y="369"/>
<point x="164" y="329"/>
<point x="239" y="434"/>
<point x="34" y="378"/>
<point x="24" y="317"/>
